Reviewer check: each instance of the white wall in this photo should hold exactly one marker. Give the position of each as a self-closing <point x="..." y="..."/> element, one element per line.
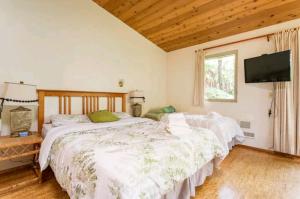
<point x="63" y="44"/>
<point x="253" y="99"/>
<point x="77" y="45"/>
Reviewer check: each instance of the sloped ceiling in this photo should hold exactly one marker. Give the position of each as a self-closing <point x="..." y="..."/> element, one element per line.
<point x="175" y="24"/>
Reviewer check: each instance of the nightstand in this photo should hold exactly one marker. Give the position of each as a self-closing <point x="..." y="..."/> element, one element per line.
<point x="16" y="147"/>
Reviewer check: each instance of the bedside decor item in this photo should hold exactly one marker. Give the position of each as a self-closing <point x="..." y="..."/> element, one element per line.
<point x="24" y="134"/>
<point x="18" y="94"/>
<point x="137" y="98"/>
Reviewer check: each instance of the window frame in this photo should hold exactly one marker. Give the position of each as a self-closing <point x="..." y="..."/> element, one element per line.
<point x="223" y="54"/>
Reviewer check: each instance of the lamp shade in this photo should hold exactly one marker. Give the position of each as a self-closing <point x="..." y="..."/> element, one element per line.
<point x="18" y="94"/>
<point x="1" y="90"/>
<point x="137" y="96"/>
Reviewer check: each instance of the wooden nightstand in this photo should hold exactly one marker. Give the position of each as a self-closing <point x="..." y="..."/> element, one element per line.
<point x="11" y="148"/>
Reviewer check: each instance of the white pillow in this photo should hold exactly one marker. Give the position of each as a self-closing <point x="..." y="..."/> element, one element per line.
<point x="61" y="120"/>
<point x="214" y="115"/>
<point x="122" y="115"/>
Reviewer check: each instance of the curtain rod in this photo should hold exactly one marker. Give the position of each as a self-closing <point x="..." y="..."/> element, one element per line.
<point x="243" y="40"/>
<point x="240" y="41"/>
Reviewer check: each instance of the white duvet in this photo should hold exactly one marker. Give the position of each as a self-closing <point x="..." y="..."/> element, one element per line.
<point x="128" y="159"/>
<point x="226" y="129"/>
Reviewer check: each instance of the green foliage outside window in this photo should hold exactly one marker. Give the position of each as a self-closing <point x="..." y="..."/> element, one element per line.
<point x="220" y="73"/>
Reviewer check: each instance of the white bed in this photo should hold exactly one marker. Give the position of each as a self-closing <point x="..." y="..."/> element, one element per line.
<point x="226" y="129"/>
<point x="127" y="159"/>
<point x="181" y="161"/>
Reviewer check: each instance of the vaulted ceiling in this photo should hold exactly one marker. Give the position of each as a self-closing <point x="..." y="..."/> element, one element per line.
<point x="175" y="24"/>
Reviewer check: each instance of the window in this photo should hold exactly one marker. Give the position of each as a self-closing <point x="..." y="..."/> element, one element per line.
<point x="221" y="77"/>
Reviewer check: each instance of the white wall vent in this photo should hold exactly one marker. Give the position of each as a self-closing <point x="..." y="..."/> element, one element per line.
<point x="249" y="134"/>
<point x="245" y="124"/>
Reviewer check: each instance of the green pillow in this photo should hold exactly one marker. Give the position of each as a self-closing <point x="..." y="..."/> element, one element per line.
<point x="154" y="116"/>
<point x="156" y="110"/>
<point x="102" y="116"/>
<point x="169" y="109"/>
<point x="173" y="109"/>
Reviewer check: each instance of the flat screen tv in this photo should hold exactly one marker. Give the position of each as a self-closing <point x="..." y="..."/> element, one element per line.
<point x="268" y="68"/>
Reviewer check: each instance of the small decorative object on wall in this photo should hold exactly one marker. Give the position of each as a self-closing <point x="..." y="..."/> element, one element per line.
<point x="137" y="98"/>
<point x="121" y="82"/>
<point x="17" y="94"/>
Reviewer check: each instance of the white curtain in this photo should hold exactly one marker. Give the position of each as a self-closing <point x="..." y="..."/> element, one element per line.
<point x="286" y="124"/>
<point x="198" y="99"/>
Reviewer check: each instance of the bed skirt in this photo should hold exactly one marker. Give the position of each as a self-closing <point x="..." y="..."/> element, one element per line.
<point x="233" y="142"/>
<point x="187" y="188"/>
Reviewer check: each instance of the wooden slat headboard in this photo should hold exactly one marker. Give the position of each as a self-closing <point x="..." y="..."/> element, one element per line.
<point x="90" y="102"/>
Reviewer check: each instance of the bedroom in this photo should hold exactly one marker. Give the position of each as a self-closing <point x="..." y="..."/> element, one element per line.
<point x="82" y="45"/>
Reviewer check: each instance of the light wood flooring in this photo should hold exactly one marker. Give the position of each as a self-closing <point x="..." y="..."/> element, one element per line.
<point x="245" y="173"/>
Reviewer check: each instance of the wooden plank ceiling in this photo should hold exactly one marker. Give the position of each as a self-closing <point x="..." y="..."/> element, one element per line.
<point x="175" y="24"/>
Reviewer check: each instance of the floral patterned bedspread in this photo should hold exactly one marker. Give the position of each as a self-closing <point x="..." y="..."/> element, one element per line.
<point x="136" y="159"/>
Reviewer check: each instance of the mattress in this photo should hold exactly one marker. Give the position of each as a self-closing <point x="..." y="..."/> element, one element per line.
<point x="87" y="159"/>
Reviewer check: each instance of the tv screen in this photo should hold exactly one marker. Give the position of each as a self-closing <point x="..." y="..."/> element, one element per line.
<point x="268" y="68"/>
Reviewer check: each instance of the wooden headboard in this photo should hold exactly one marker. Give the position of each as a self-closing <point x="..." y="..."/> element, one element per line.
<point x="90" y="102"/>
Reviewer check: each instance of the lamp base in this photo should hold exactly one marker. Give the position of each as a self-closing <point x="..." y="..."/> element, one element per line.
<point x="20" y="120"/>
<point x="136" y="110"/>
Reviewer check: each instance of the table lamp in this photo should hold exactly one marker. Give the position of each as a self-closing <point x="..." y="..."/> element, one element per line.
<point x="137" y="98"/>
<point x="18" y="94"/>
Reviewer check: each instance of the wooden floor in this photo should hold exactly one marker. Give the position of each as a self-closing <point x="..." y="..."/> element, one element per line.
<point x="245" y="173"/>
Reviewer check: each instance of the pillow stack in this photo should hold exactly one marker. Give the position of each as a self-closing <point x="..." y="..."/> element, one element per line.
<point x="157" y="114"/>
<point x="96" y="117"/>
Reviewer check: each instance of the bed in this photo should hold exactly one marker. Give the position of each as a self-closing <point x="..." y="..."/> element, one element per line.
<point x="226" y="129"/>
<point x="128" y="159"/>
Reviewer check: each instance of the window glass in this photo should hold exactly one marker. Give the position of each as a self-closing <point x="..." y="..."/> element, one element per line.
<point x="220" y="77"/>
